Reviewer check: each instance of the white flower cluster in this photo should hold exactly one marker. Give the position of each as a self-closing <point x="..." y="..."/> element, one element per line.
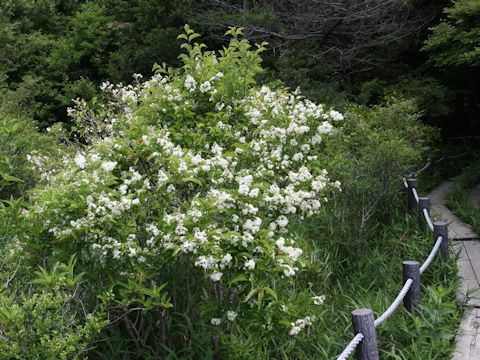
<point x="301" y="324"/>
<point x="318" y="300"/>
<point x="271" y="175"/>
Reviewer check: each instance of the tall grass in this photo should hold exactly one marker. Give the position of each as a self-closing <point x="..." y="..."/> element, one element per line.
<point x="458" y="198"/>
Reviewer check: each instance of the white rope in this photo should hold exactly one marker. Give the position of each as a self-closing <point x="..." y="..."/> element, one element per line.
<point x="439" y="160"/>
<point x="427" y="218"/>
<point x="395" y="304"/>
<point x="427" y="165"/>
<point x="405" y="183"/>
<point x="427" y="262"/>
<point x="415" y="195"/>
<point x="351" y="347"/>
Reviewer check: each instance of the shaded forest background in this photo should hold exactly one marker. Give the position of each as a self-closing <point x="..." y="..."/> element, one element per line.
<point x="363" y="51"/>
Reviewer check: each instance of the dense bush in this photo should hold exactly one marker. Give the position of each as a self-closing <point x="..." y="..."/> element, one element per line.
<point x="45" y="320"/>
<point x="432" y="99"/>
<point x="22" y="148"/>
<point x="369" y="156"/>
<point x="454" y="42"/>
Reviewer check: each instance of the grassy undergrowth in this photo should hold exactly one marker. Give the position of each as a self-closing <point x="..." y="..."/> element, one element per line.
<point x="368" y="275"/>
<point x="372" y="277"/>
<point x="457" y="198"/>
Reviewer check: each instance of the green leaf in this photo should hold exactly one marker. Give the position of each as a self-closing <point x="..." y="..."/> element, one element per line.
<point x="193" y="36"/>
<point x="270" y="292"/>
<point x="11" y="178"/>
<point x="250" y="294"/>
<point x="239" y="278"/>
<point x="194" y="180"/>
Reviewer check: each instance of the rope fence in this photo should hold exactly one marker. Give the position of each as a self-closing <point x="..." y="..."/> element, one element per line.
<point x="395" y="304"/>
<point x="415" y="195"/>
<point x="364" y="324"/>
<point x="430" y="258"/>
<point x="428" y="219"/>
<point x="351" y="347"/>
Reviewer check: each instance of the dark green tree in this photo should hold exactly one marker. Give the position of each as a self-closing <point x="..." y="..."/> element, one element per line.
<point x="454" y="49"/>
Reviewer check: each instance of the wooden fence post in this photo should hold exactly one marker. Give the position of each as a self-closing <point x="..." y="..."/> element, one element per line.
<point x="423" y="203"/>
<point x="411" y="270"/>
<point x="412" y="184"/>
<point x="216" y="345"/>
<point x="362" y="320"/>
<point x="440" y="228"/>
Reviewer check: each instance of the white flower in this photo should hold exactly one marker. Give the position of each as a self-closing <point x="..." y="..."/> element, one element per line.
<point x="295" y="330"/>
<point x="297" y="157"/>
<point x="201" y="236"/>
<point x="95" y="157"/>
<point x="216" y="321"/>
<point x="206" y="86"/>
<point x="250" y="264"/>
<point x="206" y="262"/>
<point x="187" y="246"/>
<point x="325" y="128"/>
<point x="254" y="193"/>
<point x="316" y="139"/>
<point x="335" y="115"/>
<point x="162" y="177"/>
<point x="288" y="271"/>
<point x="132" y="252"/>
<point x="190" y="83"/>
<point x="218" y="76"/>
<point x="109" y="165"/>
<point x="300" y="324"/>
<point x="244" y="183"/>
<point x="253" y="226"/>
<point x="216" y="276"/>
<point x="80" y="161"/>
<point x="227" y="258"/>
<point x="282" y="221"/>
<point x="318" y="300"/>
<point x="231" y="315"/>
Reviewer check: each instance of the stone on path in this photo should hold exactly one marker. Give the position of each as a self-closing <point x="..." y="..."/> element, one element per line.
<point x="466" y="243"/>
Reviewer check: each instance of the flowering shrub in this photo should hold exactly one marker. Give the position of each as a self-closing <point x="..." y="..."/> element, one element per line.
<point x="20" y="142"/>
<point x="185" y="193"/>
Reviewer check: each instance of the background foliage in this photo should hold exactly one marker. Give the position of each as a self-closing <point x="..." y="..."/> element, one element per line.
<point x="61" y="50"/>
